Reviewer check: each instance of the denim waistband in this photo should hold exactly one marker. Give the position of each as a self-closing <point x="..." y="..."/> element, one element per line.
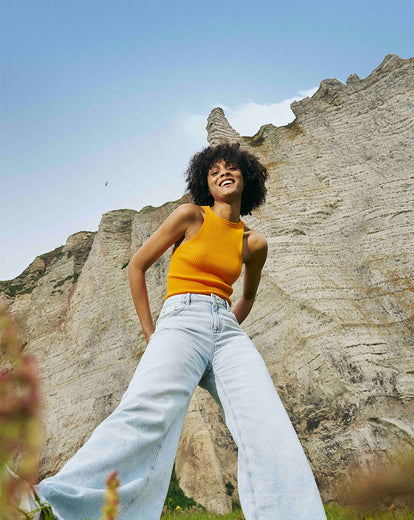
<point x="195" y="297"/>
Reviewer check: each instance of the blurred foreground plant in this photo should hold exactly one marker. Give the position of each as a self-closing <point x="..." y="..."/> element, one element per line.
<point x="21" y="427"/>
<point x="111" y="496"/>
<point x="391" y="484"/>
<point x="20" y="408"/>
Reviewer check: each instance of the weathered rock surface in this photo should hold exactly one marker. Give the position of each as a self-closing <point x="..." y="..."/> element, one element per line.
<point x="334" y="314"/>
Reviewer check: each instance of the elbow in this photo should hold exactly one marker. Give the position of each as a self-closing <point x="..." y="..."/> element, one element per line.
<point x="135" y="268"/>
<point x="247" y="303"/>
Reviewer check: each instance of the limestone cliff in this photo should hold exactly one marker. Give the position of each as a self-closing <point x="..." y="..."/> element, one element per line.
<point x="333" y="317"/>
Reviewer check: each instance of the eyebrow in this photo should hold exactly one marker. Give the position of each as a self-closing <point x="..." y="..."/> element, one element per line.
<point x="227" y="163"/>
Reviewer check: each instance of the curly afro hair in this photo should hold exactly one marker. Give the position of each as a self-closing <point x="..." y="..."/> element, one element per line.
<point x="254" y="175"/>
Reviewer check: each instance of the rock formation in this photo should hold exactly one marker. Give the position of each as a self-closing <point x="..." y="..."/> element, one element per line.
<point x="334" y="313"/>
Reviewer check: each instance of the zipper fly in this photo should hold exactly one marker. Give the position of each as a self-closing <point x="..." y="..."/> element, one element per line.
<point x="216" y="325"/>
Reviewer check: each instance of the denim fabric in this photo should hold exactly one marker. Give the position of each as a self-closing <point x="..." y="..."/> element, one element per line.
<point x="197" y="340"/>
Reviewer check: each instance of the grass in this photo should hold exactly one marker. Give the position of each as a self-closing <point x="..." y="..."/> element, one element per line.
<point x="333" y="512"/>
<point x="176" y="497"/>
<point x="336" y="512"/>
<point x="184" y="515"/>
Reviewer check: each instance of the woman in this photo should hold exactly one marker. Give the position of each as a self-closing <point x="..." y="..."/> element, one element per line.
<point x="197" y="340"/>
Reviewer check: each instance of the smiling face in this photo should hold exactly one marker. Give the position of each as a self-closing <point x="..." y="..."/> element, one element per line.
<point x="225" y="180"/>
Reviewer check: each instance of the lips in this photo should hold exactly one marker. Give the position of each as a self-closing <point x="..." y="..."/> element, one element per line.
<point x="228" y="181"/>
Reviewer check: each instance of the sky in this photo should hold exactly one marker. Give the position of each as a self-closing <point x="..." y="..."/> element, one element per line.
<point x="103" y="102"/>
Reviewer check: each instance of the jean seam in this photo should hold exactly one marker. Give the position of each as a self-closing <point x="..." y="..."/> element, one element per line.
<point x="249" y="473"/>
<point x="146" y="479"/>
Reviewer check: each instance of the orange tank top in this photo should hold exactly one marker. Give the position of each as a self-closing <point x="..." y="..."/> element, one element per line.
<point x="211" y="261"/>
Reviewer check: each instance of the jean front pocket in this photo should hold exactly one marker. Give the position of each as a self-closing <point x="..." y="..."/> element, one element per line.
<point x="171" y="310"/>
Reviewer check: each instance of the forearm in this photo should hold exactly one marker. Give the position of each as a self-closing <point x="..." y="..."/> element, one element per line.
<point x="242" y="308"/>
<point x="139" y="293"/>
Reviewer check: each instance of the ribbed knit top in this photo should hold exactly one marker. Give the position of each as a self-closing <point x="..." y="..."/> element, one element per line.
<point x="211" y="261"/>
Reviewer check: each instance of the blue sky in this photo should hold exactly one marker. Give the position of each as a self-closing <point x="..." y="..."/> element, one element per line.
<point x="119" y="91"/>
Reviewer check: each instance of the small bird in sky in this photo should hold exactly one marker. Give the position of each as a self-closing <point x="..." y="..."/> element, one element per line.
<point x="106" y="183"/>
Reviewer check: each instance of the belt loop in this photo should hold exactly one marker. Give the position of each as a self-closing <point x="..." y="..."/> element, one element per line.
<point x="188" y="298"/>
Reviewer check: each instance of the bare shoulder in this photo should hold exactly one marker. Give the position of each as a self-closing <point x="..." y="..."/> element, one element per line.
<point x="188" y="218"/>
<point x="189" y="212"/>
<point x="257" y="241"/>
<point x="256" y="246"/>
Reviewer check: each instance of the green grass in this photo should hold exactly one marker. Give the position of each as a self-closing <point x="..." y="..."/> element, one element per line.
<point x="333" y="512"/>
<point x="184" y="515"/>
<point x="336" y="512"/>
<point x="177" y="498"/>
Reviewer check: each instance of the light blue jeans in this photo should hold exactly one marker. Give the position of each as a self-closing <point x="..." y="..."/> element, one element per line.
<point x="197" y="340"/>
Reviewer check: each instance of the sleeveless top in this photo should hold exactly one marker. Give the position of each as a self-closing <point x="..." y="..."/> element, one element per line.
<point x="211" y="261"/>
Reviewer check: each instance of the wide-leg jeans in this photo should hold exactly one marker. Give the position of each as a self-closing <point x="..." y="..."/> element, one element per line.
<point x="197" y="340"/>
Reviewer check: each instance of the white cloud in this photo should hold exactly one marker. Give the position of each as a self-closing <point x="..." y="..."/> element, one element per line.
<point x="307" y="93"/>
<point x="190" y="129"/>
<point x="247" y="118"/>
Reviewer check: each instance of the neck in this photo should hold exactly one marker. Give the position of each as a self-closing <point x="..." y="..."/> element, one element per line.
<point x="228" y="211"/>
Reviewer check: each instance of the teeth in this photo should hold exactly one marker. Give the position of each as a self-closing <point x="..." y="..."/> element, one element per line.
<point x="226" y="183"/>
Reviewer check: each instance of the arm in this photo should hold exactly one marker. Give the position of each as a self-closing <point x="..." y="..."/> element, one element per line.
<point x="174" y="227"/>
<point x="252" y="275"/>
